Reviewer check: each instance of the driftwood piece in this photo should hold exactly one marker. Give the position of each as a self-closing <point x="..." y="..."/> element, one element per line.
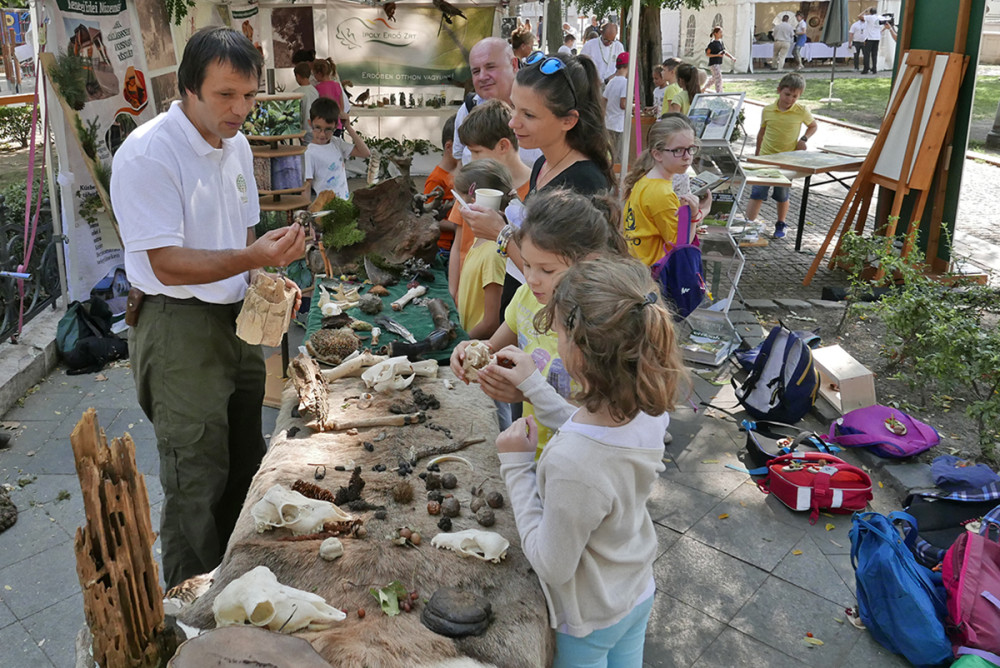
<point x="267" y="311"/>
<point x="246" y="646"/>
<point x="122" y="599"/>
<point x="310" y="386"/>
<point x="519" y="636"/>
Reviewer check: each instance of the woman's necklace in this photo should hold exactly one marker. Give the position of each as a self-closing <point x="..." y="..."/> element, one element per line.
<point x="549" y="173"/>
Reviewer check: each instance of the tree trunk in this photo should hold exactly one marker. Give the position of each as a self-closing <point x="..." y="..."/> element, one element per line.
<point x="553" y="26"/>
<point x="650" y="53"/>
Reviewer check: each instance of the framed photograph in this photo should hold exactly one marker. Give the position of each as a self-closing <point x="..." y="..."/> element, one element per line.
<point x="714" y="115"/>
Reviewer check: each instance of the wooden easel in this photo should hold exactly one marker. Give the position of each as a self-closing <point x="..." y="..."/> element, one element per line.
<point x="915" y="174"/>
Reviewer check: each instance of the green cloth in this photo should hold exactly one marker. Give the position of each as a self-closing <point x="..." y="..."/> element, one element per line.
<point x="414" y="318"/>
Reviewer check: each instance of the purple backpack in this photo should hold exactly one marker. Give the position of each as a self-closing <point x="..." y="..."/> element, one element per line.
<point x="679" y="271"/>
<point x="887" y="432"/>
<point x="971" y="571"/>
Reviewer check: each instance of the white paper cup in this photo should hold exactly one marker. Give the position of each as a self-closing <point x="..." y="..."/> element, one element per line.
<point x="489" y="198"/>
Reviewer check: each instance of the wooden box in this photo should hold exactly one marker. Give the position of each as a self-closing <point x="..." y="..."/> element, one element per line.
<point x="843" y="381"/>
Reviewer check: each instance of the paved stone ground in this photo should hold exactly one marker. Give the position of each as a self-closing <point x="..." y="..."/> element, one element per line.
<point x="731" y="589"/>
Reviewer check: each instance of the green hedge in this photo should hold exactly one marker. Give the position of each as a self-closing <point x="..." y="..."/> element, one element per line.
<point x="15" y="124"/>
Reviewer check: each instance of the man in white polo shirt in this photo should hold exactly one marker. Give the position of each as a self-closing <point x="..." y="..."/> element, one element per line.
<point x="184" y="196"/>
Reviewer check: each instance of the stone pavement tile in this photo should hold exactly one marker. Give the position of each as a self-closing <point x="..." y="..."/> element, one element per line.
<point x="812" y="571"/>
<point x="72" y="417"/>
<point x="794" y="303"/>
<point x="706" y="579"/>
<point x="733" y="648"/>
<point x="59" y="383"/>
<point x="749" y="532"/>
<point x="34" y="532"/>
<point x="44" y="495"/>
<point x="106" y="395"/>
<point x="677" y="633"/>
<point x="710" y="449"/>
<point x="55" y="628"/>
<point x="18" y="649"/>
<point x="6" y="616"/>
<point x="716" y="483"/>
<point x="36" y="583"/>
<point x="53" y="456"/>
<point x="867" y="652"/>
<point x="759" y="304"/>
<point x="678" y="507"/>
<point x="834" y="541"/>
<point x="780" y="614"/>
<point x="30" y="435"/>
<point x="665" y="539"/>
<point x="740" y="317"/>
<point x="845" y="571"/>
<point x="38" y="406"/>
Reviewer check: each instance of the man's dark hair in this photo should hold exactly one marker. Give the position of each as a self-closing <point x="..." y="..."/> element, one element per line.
<point x="569" y="37"/>
<point x="873" y="11"/>
<point x="448" y="131"/>
<point x="325" y="108"/>
<point x="211" y="45"/>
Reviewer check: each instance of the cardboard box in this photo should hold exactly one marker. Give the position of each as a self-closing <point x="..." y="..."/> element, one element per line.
<point x="844" y="381"/>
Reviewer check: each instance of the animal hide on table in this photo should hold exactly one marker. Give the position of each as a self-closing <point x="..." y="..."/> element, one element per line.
<point x="520" y="633"/>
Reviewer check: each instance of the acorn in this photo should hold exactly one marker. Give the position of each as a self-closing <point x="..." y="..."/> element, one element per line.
<point x="494" y="500"/>
<point x="449" y="481"/>
<point x="415" y="538"/>
<point x="475" y="504"/>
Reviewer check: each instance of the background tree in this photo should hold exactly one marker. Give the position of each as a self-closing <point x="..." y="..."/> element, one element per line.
<point x="650" y="37"/>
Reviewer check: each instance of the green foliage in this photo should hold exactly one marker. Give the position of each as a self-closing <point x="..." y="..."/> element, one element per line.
<point x="102" y="173"/>
<point x="90" y="207"/>
<point x="274" y="118"/>
<point x="390" y="148"/>
<point x="605" y="7"/>
<point x="939" y="335"/>
<point x="69" y="75"/>
<point x="13" y="202"/>
<point x="88" y="136"/>
<point x="340" y="228"/>
<point x="177" y="9"/>
<point x="15" y="124"/>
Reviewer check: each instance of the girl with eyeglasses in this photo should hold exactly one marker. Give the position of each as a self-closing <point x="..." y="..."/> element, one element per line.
<point x="651" y="205"/>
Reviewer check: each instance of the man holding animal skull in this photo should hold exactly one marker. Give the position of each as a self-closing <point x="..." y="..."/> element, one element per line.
<point x="184" y="195"/>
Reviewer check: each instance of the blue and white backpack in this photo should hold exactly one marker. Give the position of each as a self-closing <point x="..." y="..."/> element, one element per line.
<point x="783" y="381"/>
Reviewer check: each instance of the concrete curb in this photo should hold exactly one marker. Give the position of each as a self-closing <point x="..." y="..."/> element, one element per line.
<point x="26" y="363"/>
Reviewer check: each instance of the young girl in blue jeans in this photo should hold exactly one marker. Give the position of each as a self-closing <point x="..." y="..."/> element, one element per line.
<point x="581" y="510"/>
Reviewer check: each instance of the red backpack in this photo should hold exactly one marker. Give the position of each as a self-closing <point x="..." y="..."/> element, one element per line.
<point x="817" y="481"/>
<point x="971" y="571"/>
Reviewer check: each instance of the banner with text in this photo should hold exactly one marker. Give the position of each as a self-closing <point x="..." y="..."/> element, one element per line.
<point x="415" y="45"/>
<point x="100" y="33"/>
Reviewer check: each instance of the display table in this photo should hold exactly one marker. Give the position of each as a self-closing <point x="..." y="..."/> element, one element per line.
<point x="807" y="164"/>
<point x="414" y="318"/>
<point x="411" y="122"/>
<point x="519" y="635"/>
<point x="811" y="51"/>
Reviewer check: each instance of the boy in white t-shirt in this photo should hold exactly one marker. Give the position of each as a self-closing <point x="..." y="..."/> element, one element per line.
<point x="614" y="107"/>
<point x="326" y="154"/>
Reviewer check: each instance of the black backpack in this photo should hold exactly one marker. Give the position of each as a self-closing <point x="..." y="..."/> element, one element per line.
<point x="84" y="338"/>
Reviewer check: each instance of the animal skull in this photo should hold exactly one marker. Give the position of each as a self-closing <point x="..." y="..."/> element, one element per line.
<point x="258" y="598"/>
<point x="485" y="545"/>
<point x="396" y="373"/>
<point x="282" y="507"/>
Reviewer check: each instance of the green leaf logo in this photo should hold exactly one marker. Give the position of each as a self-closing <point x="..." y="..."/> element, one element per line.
<point x="346" y="37"/>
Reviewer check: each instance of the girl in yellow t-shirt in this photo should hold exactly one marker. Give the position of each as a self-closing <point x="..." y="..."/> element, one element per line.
<point x="650" y="215"/>
<point x="688" y="80"/>
<point x="561" y="227"/>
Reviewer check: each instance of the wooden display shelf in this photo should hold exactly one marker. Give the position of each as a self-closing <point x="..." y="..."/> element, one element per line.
<point x="284" y="203"/>
<point x="287" y="191"/>
<point x="275" y="151"/>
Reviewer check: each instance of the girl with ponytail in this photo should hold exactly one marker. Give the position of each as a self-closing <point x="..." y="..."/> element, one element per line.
<point x="688" y="78"/>
<point x="650" y="215"/>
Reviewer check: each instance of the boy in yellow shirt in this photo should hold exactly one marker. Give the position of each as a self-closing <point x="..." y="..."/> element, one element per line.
<point x="669" y="78"/>
<point x="779" y="132"/>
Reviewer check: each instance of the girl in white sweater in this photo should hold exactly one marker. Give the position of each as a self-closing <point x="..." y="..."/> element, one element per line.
<point x="581" y="511"/>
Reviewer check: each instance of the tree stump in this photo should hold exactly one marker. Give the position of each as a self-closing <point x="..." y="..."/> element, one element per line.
<point x="122" y="599"/>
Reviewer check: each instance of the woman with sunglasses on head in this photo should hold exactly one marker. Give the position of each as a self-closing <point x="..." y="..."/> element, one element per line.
<point x="651" y="205"/>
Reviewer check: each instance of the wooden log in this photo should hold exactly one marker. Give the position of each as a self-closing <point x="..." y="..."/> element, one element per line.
<point x="122" y="598"/>
<point x="311" y="387"/>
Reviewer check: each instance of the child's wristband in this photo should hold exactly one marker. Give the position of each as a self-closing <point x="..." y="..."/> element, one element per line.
<point x="503" y="239"/>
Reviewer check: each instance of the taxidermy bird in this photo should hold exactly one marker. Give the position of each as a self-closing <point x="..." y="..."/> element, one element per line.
<point x="363" y="97"/>
<point x="390" y="10"/>
<point x="448" y="10"/>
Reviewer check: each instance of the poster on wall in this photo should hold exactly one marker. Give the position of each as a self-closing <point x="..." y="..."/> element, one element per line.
<point x="291" y="31"/>
<point x="419" y="45"/>
<point x="247" y="19"/>
<point x="156" y="38"/>
<point x="100" y="33"/>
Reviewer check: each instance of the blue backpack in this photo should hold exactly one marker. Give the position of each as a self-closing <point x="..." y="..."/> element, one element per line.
<point x="783" y="381"/>
<point x="902" y="603"/>
<point x="679" y="272"/>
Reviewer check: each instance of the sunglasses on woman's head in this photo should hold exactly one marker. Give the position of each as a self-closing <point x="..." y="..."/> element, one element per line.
<point x="551" y="65"/>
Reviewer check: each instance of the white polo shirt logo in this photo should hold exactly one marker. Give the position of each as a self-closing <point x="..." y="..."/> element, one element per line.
<point x="241" y="186"/>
